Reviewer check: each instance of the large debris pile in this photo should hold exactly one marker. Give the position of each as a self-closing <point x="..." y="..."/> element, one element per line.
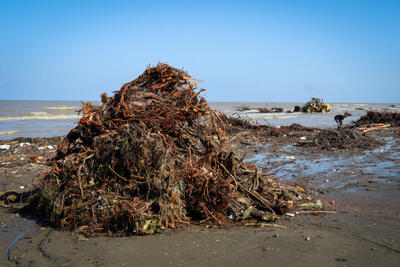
<point x="379" y="117"/>
<point x="340" y="139"/>
<point x="150" y="157"/>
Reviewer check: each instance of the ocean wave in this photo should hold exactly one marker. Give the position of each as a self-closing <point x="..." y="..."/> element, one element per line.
<point x="9" y="132"/>
<point x="251" y="111"/>
<point x="61" y="107"/>
<point x="42" y="116"/>
<point x="340" y="105"/>
<point x="39" y="113"/>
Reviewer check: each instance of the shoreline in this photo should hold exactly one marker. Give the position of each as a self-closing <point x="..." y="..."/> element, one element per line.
<point x="57" y="118"/>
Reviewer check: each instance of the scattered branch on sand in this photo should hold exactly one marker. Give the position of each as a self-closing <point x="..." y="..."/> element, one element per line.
<point x="315" y="211"/>
<point x="266" y="224"/>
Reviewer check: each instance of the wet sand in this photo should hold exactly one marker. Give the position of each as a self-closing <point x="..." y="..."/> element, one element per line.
<point x="363" y="187"/>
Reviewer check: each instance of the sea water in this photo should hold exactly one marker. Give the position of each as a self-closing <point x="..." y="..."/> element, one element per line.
<point x="37" y="118"/>
<point x="57" y="118"/>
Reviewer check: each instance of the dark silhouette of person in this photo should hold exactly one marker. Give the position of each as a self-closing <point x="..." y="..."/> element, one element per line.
<point x="339" y="119"/>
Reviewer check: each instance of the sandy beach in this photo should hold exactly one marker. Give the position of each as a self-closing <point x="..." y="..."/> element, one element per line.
<point x="363" y="190"/>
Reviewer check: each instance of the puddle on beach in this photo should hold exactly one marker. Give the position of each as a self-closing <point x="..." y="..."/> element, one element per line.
<point x="335" y="171"/>
<point x="9" y="230"/>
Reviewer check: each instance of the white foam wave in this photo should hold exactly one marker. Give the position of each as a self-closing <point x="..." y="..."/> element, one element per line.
<point x="251" y="111"/>
<point x="263" y="116"/>
<point x="40" y="113"/>
<point x="9" y="132"/>
<point x="341" y="105"/>
<point x="44" y="116"/>
<point x="61" y="107"/>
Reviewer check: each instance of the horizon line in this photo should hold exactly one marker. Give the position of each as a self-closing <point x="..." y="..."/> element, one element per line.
<point x="345" y="102"/>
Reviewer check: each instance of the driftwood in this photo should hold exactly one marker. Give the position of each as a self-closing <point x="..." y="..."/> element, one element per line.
<point x="375" y="126"/>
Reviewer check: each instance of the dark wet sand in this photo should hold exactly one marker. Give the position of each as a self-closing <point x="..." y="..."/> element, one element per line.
<point x="363" y="188"/>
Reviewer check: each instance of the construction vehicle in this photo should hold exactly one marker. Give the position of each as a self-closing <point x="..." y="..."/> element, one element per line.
<point x="316" y="105"/>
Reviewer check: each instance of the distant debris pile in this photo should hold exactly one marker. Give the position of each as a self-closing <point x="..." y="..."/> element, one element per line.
<point x="243" y="108"/>
<point x="340" y="139"/>
<point x="379" y="117"/>
<point x="272" y="110"/>
<point x="236" y="124"/>
<point x="151" y="157"/>
<point x="347" y="114"/>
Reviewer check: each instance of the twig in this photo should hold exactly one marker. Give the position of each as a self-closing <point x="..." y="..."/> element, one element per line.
<point x="381" y="245"/>
<point x="119" y="176"/>
<point x="266" y="224"/>
<point x="315" y="211"/>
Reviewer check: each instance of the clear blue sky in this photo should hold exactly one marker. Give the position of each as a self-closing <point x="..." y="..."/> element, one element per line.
<point x="267" y="51"/>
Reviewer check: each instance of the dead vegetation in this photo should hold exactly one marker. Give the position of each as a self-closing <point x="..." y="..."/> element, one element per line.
<point x="236" y="124"/>
<point x="340" y="139"/>
<point x="152" y="157"/>
<point x="354" y="136"/>
<point x="379" y="117"/>
<point x="326" y="139"/>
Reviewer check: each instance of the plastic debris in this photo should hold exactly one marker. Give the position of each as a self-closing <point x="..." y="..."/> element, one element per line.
<point x="6" y="147"/>
<point x="317" y="204"/>
<point x="24" y="144"/>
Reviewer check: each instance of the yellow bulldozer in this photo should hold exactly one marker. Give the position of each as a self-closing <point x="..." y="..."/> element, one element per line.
<point x="315" y="105"/>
